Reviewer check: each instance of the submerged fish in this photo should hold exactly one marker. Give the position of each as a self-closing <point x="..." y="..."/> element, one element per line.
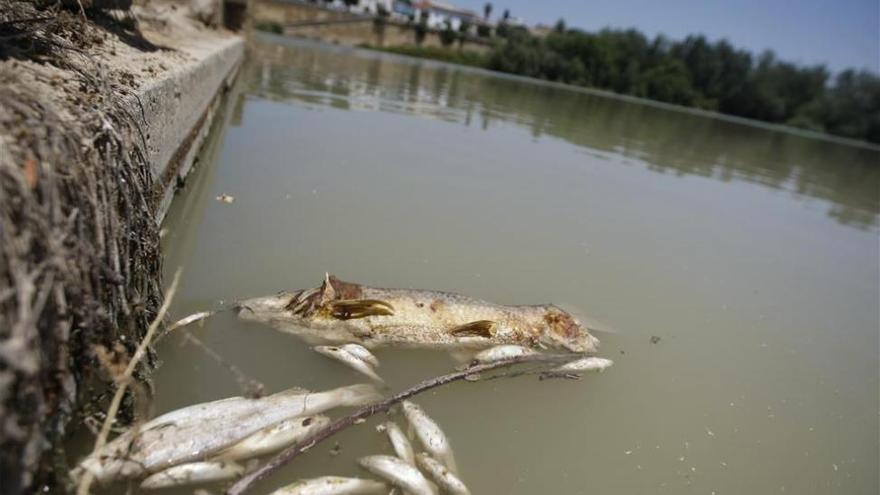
<point x="585" y="364"/>
<point x="399" y="442"/>
<point x="400" y="473"/>
<point x="448" y="482"/>
<point x="361" y="353"/>
<point x="500" y="352"/>
<point x="203" y="430"/>
<point x="349" y="360"/>
<point x="344" y="312"/>
<point x="429" y="434"/>
<point x="194" y="472"/>
<point x="275" y="437"/>
<point x="333" y="485"/>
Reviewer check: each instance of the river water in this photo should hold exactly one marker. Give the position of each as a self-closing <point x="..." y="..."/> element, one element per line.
<point x="751" y="254"/>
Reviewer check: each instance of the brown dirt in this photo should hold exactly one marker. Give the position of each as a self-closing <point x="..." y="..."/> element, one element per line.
<point x="80" y="269"/>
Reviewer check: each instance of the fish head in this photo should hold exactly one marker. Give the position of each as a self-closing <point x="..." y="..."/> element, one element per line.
<point x="267" y="309"/>
<point x="562" y="330"/>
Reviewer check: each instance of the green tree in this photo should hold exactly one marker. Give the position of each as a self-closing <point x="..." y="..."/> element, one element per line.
<point x="447" y="34"/>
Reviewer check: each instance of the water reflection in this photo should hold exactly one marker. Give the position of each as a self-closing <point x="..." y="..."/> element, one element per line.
<point x="664" y="141"/>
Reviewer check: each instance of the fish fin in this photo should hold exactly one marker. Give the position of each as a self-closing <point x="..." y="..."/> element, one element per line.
<point x="480" y="328"/>
<point x="359" y="308"/>
<point x="328" y="293"/>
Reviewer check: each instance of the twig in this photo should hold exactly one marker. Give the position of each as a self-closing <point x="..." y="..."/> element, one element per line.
<point x="250" y="387"/>
<point x="122" y="382"/>
<point x="246" y="483"/>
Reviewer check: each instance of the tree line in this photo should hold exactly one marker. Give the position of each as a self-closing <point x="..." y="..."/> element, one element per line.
<point x="699" y="73"/>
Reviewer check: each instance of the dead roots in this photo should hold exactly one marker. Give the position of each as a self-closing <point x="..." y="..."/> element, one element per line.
<point x="79" y="247"/>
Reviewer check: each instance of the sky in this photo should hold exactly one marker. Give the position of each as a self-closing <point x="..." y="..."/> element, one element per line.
<point x="840" y="34"/>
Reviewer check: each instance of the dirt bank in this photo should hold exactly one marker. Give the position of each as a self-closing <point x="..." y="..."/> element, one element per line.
<point x="81" y="174"/>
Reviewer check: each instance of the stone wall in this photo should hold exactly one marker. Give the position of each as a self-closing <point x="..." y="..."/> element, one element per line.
<point x="314" y="22"/>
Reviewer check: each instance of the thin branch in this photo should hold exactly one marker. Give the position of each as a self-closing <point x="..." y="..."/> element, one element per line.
<point x="123" y="381"/>
<point x="246" y="483"/>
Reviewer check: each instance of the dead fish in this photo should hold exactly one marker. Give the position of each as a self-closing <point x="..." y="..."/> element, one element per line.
<point x="584" y="364"/>
<point x="429" y="434"/>
<point x="333" y="485"/>
<point x="275" y="437"/>
<point x="500" y="352"/>
<point x="349" y="360"/>
<point x="361" y="353"/>
<point x="203" y="430"/>
<point x="398" y="472"/>
<point x="342" y="312"/>
<point x="399" y="442"/>
<point x="194" y="472"/>
<point x="448" y="482"/>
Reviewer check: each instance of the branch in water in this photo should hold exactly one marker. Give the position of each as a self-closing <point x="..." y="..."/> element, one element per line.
<point x="284" y="457"/>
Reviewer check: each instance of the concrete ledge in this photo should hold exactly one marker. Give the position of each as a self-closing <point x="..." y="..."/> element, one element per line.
<point x="179" y="110"/>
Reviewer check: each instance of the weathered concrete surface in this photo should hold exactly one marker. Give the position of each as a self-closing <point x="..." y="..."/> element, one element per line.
<point x="179" y="108"/>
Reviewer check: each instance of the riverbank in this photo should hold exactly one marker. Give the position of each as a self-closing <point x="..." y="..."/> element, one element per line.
<point x="479" y="61"/>
<point x="101" y="115"/>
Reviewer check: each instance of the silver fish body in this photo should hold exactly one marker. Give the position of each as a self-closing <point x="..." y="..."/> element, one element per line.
<point x="191" y="473"/>
<point x="350" y="360"/>
<point x="585" y="364"/>
<point x="499" y="352"/>
<point x="361" y="353"/>
<point x="400" y="473"/>
<point x="333" y="485"/>
<point x="163" y="443"/>
<point x="445" y="479"/>
<point x="340" y="312"/>
<point x="275" y="437"/>
<point x="429" y="434"/>
<point x="402" y="448"/>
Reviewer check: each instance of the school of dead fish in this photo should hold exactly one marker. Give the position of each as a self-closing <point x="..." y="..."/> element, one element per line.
<point x="207" y="442"/>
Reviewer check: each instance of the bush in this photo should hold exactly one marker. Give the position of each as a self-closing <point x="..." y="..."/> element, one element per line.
<point x="269" y="27"/>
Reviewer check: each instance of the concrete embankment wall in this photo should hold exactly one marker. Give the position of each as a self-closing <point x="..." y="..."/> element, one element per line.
<point x="315" y="22"/>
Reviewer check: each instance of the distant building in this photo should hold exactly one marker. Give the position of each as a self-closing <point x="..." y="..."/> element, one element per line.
<point x="404" y="8"/>
<point x="439" y="13"/>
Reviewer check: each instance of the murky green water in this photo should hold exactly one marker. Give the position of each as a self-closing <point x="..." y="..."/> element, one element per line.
<point x="752" y="254"/>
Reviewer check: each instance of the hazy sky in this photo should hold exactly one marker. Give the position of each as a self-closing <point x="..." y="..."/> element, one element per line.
<point x="840" y="34"/>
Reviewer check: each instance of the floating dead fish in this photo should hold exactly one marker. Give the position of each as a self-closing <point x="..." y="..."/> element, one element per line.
<point x="361" y="353"/>
<point x="349" y="360"/>
<point x="344" y="312"/>
<point x="194" y="472"/>
<point x="584" y="364"/>
<point x="275" y="437"/>
<point x="429" y="434"/>
<point x="500" y="352"/>
<point x="203" y="430"/>
<point x="398" y="472"/>
<point x="448" y="482"/>
<point x="399" y="442"/>
<point x="333" y="485"/>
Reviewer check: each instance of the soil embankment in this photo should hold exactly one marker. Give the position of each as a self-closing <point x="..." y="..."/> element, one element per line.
<point x="101" y="112"/>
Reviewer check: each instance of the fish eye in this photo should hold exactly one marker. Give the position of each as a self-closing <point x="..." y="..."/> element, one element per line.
<point x="307" y="422"/>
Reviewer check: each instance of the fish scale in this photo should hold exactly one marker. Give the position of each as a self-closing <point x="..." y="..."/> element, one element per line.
<point x="345" y="312"/>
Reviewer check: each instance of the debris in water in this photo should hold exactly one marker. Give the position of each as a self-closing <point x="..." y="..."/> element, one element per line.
<point x="655" y="339"/>
<point x="226" y="198"/>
